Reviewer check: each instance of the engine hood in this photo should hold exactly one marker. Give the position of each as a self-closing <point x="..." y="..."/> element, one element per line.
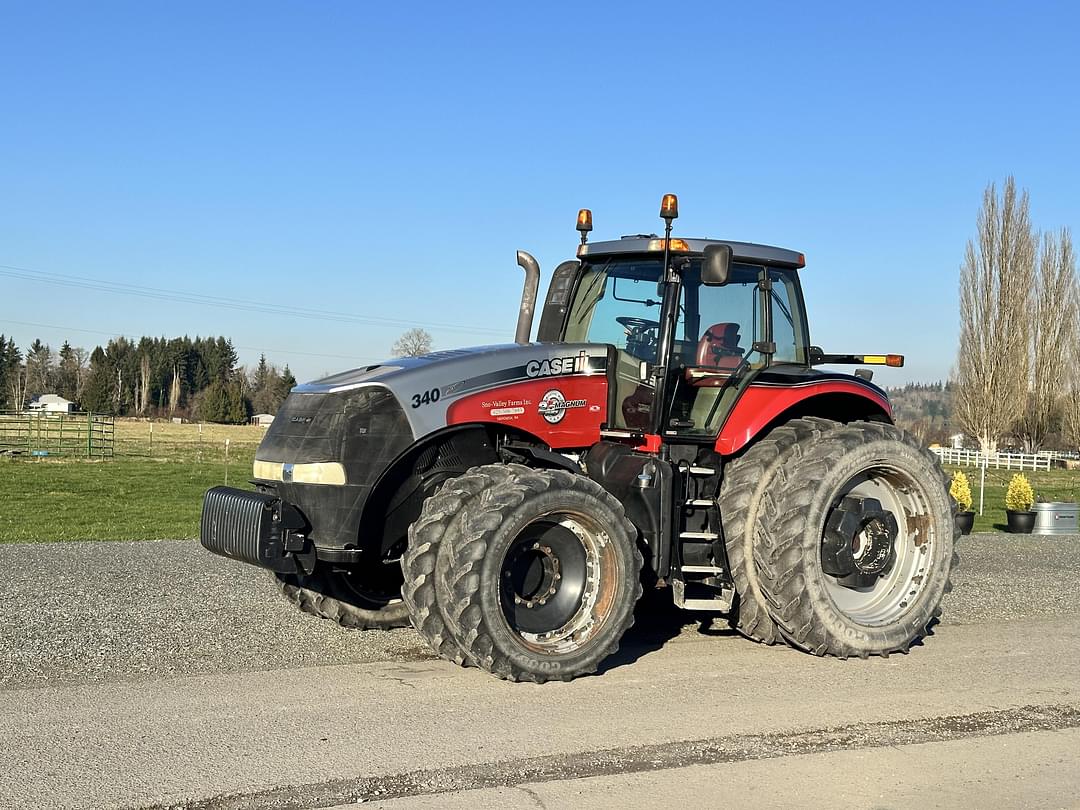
<point x="428" y="385"/>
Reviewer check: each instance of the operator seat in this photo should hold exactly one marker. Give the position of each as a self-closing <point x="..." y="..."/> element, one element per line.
<point x="718" y="350"/>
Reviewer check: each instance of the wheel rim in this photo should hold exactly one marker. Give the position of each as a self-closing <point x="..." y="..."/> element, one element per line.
<point x="374" y="589"/>
<point x="557" y="582"/>
<point x="878" y="545"/>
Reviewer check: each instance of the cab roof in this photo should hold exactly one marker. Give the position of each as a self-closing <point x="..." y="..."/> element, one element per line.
<point x="742" y="251"/>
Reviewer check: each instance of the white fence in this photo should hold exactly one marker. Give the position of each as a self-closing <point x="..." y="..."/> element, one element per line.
<point x="993" y="461"/>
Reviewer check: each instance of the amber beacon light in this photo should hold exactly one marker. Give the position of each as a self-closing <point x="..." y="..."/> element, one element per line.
<point x="584" y="223"/>
<point x="669" y="207"/>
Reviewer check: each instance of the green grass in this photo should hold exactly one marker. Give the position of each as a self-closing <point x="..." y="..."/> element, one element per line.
<point x="134" y="496"/>
<point x="154" y="492"/>
<point x="1055" y="485"/>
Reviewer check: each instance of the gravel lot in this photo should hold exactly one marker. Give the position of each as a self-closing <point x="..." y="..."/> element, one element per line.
<point x="96" y="611"/>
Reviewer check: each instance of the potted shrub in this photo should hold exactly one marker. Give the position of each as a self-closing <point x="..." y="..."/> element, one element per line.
<point x="1018" y="502"/>
<point x="960" y="490"/>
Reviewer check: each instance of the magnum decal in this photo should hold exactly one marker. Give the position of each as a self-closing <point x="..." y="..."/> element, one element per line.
<point x="554" y="405"/>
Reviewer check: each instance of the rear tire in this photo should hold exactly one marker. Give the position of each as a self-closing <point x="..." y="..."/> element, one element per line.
<point x="856" y="543"/>
<point x="329" y="595"/>
<point x="541" y="582"/>
<point x="745" y="481"/>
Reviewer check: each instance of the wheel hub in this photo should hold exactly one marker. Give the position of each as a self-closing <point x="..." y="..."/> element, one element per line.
<point x="859" y="541"/>
<point x="543" y="577"/>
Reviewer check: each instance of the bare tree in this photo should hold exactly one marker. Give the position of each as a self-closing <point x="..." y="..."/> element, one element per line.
<point x="174" y="390"/>
<point x="1052" y="336"/>
<point x="1071" y="403"/>
<point x="82" y="364"/>
<point x="413" y="343"/>
<point x="996" y="281"/>
<point x="142" y="386"/>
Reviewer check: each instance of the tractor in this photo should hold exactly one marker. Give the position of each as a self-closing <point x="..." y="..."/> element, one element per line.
<point x="668" y="429"/>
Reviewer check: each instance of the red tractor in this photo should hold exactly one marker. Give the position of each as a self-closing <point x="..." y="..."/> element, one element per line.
<point x="668" y="428"/>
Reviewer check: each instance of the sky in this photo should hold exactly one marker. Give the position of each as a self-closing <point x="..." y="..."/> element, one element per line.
<point x="262" y="163"/>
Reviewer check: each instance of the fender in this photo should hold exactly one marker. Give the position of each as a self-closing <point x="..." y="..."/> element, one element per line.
<point x="762" y="403"/>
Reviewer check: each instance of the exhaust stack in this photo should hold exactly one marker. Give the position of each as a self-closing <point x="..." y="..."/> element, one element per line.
<point x="528" y="296"/>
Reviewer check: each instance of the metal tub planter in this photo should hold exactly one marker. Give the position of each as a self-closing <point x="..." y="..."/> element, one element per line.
<point x="1056" y="518"/>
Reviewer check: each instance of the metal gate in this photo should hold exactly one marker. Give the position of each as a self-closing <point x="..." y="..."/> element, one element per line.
<point x="88" y="435"/>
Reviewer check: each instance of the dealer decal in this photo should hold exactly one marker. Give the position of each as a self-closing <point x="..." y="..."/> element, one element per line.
<point x="554" y="405"/>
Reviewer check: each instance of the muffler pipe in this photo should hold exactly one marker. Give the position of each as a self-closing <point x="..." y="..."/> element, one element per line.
<point x="528" y="296"/>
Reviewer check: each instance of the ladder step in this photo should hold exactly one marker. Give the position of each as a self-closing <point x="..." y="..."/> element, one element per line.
<point x="701" y="569"/>
<point x="702" y="471"/>
<point x="700" y="502"/>
<point x="698" y="535"/>
<point x="721" y="603"/>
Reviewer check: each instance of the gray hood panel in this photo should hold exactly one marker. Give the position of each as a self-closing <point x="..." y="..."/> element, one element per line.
<point x="425" y="386"/>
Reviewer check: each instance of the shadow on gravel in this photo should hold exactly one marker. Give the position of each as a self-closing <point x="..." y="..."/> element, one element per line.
<point x="656" y="622"/>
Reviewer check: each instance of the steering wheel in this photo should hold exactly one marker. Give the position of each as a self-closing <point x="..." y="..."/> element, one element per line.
<point x="637" y="324"/>
<point x="641" y="339"/>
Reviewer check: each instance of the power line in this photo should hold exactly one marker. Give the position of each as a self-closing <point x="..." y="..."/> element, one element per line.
<point x="359" y="358"/>
<point x="161" y="294"/>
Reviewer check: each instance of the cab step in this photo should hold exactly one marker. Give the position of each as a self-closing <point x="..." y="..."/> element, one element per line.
<point x="698" y="535"/>
<point x="700" y="503"/>
<point x="721" y="602"/>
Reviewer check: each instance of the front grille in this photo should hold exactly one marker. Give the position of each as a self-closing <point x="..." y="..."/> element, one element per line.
<point x="238" y="524"/>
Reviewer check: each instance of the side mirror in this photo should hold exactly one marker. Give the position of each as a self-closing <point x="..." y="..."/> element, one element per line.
<point x="716" y="265"/>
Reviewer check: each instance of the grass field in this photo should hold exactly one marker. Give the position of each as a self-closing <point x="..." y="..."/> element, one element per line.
<point x="149" y="491"/>
<point x="152" y="489"/>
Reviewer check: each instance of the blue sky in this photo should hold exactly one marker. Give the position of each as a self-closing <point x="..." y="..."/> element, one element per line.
<point x="386" y="160"/>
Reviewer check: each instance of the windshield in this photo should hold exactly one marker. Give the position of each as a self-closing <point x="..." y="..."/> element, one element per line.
<point x="617" y="302"/>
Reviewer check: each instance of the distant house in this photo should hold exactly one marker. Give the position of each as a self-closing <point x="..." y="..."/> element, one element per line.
<point x="956" y="441"/>
<point x="51" y="403"/>
<point x="262" y="419"/>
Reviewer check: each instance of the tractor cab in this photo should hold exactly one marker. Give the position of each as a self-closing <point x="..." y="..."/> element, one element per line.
<point x="731" y="310"/>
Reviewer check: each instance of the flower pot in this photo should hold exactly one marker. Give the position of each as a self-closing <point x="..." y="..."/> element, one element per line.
<point x="1020" y="522"/>
<point x="964" y="521"/>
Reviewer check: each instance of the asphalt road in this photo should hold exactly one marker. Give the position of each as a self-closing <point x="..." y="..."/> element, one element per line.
<point x="154" y="674"/>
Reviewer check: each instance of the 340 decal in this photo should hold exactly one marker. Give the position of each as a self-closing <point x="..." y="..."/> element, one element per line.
<point x="425" y="398"/>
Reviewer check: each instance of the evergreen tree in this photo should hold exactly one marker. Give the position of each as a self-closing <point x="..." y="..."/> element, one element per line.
<point x="67" y="375"/>
<point x="97" y="393"/>
<point x="5" y="395"/>
<point x="14" y="387"/>
<point x="39" y="369"/>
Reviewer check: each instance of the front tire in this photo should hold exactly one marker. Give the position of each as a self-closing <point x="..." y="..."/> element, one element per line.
<point x="338" y="597"/>
<point x="542" y="581"/>
<point x="856" y="543"/>
<point x="440" y="521"/>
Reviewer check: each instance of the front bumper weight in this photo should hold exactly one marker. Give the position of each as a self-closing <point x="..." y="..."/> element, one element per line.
<point x="256" y="528"/>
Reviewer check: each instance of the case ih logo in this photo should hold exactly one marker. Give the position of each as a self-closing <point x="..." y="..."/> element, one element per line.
<point x="554" y="405"/>
<point x="558" y="365"/>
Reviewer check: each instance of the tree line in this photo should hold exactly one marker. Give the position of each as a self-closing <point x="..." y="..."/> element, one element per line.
<point x="1017" y="375"/>
<point x="155" y="377"/>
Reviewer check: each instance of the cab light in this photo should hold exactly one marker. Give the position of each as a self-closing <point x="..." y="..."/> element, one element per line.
<point x="584" y="220"/>
<point x="669" y="207"/>
<point x="677" y="245"/>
